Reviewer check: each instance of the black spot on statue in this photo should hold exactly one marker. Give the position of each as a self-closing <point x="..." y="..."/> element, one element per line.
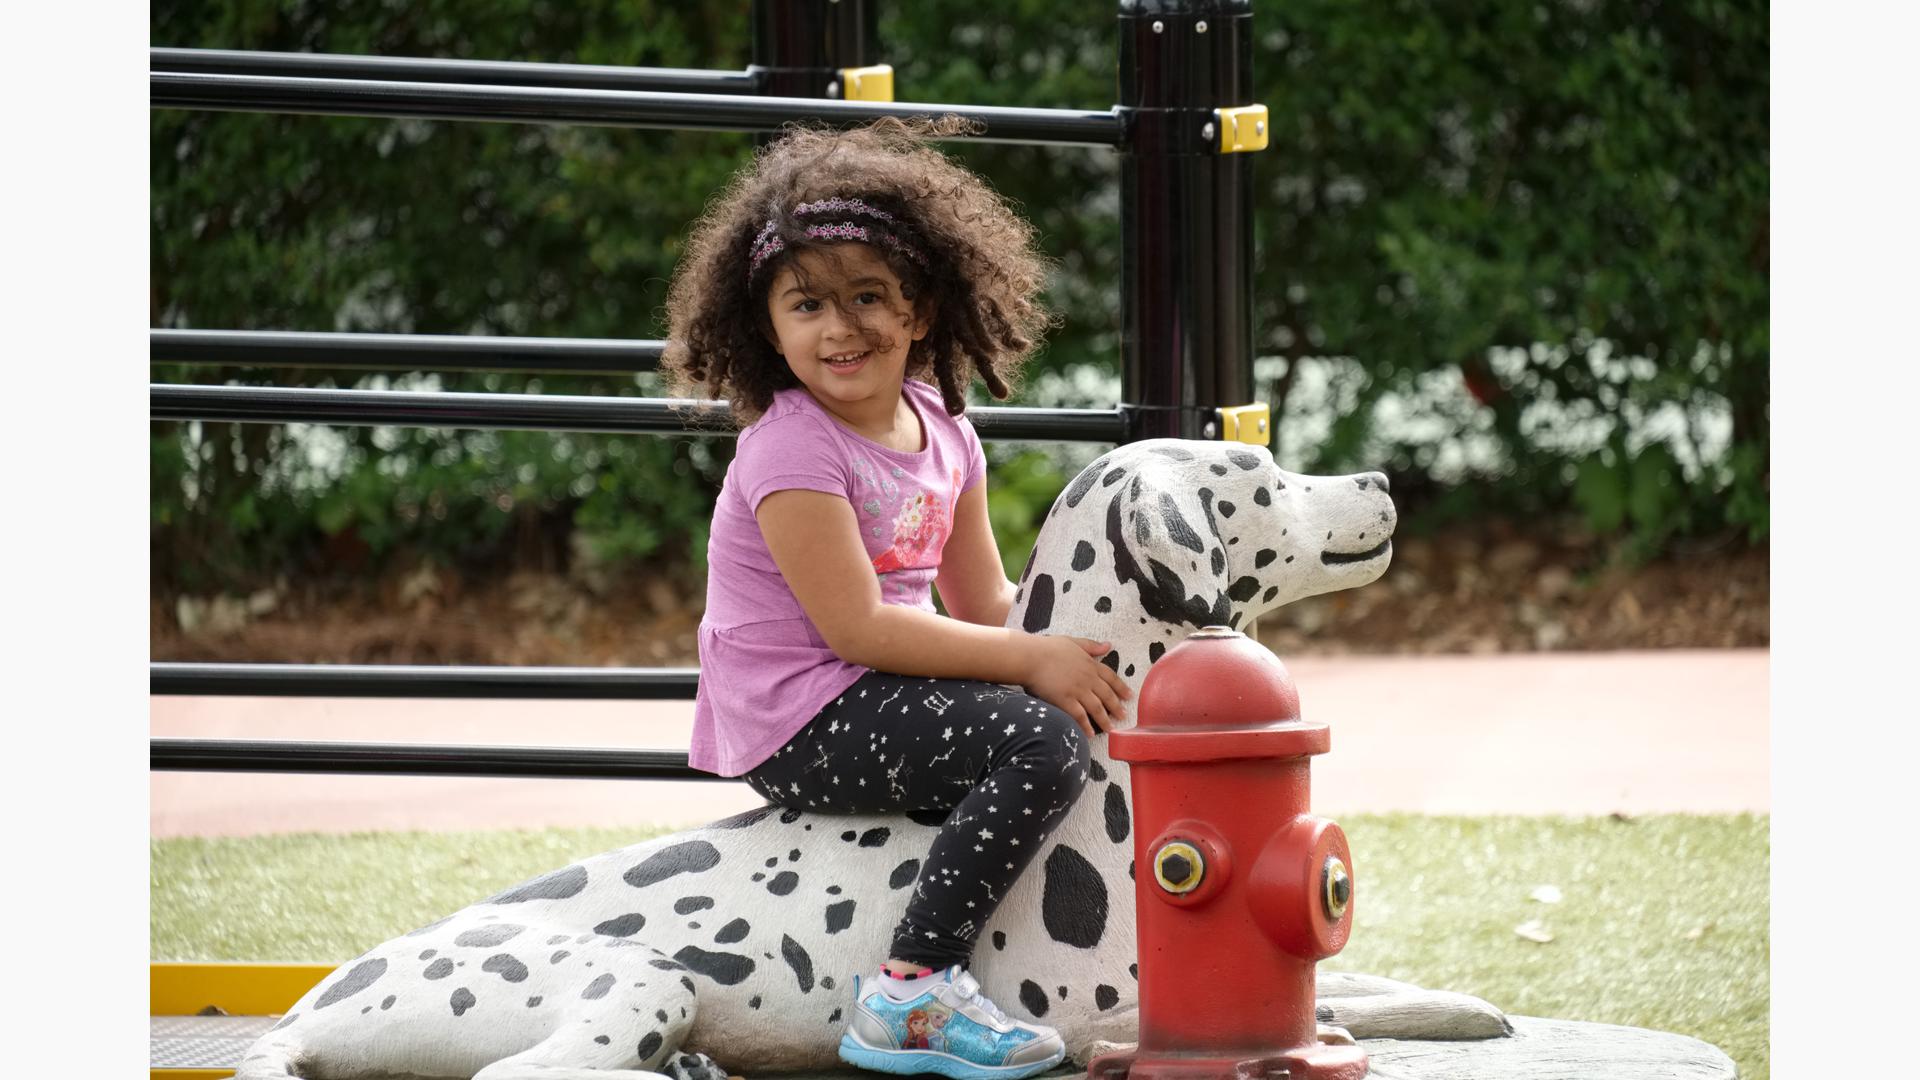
<point x="1081" y="485"/>
<point x="486" y="937"/>
<point x="1227" y="508"/>
<point x="1112" y="660"/>
<point x="1174" y="452"/>
<point x="660" y="1015"/>
<point x="625" y="926"/>
<point x="1063" y="993"/>
<point x="649" y="1046"/>
<point x="687" y="905"/>
<point x="833" y="890"/>
<point x="1034" y="998"/>
<point x="1244" y="589"/>
<point x="1129" y="671"/>
<point x="1082" y="555"/>
<point x="1039" y="613"/>
<point x="1103" y="605"/>
<point x="1113" y="477"/>
<point x="1234" y="623"/>
<point x="691" y="857"/>
<point x="727" y="969"/>
<point x="741" y="821"/>
<point x="534" y="1001"/>
<point x="759" y="877"/>
<point x="555" y="886"/>
<point x="288" y="1019"/>
<point x="439" y="969"/>
<point x="1066" y="587"/>
<point x="1271" y="593"/>
<point x="737" y="930"/>
<point x="505" y="966"/>
<point x="666" y="965"/>
<point x="797" y="959"/>
<point x="753" y="1002"/>
<point x="462" y="1000"/>
<point x="1244" y="459"/>
<point x="904" y="874"/>
<point x="434" y="925"/>
<point x="1260" y="496"/>
<point x="1154" y="652"/>
<point x="598" y="988"/>
<point x="1116" y="812"/>
<point x="875" y="837"/>
<point x="835" y="1018"/>
<point x="839" y="916"/>
<point x="387" y="1003"/>
<point x="783" y="883"/>
<point x="930" y="818"/>
<point x="794" y="855"/>
<point x="1164" y="594"/>
<point x="1219" y="561"/>
<point x="1217" y="469"/>
<point x="999" y="941"/>
<point x="790" y="815"/>
<point x="602" y="1039"/>
<point x="1097" y="772"/>
<point x="429" y="954"/>
<point x="1073" y="905"/>
<point x="358" y="978"/>
<point x="773" y="861"/>
<point x="1323" y="1013"/>
<point x="1105" y="997"/>
<point x="826" y="982"/>
<point x="1134" y="970"/>
<point x="688" y="983"/>
<point x="1178" y="529"/>
<point x="1028" y="569"/>
<point x="1264" y="556"/>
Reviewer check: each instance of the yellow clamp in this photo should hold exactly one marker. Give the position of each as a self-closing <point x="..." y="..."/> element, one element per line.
<point x="867" y="83"/>
<point x="1243" y="129"/>
<point x="1245" y="423"/>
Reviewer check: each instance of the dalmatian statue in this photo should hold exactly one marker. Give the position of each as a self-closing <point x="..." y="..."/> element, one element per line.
<point x="729" y="948"/>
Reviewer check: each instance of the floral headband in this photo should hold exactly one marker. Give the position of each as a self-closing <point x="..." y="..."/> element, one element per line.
<point x="767" y="245"/>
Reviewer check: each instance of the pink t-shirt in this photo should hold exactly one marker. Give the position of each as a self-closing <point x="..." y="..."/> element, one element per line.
<point x="764" y="670"/>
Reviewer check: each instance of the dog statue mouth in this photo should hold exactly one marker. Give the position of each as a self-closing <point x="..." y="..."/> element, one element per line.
<point x="1341" y="558"/>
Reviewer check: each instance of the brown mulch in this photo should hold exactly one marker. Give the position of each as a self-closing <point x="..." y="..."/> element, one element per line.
<point x="1492" y="589"/>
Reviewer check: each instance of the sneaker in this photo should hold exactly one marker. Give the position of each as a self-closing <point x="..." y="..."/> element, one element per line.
<point x="951" y="1029"/>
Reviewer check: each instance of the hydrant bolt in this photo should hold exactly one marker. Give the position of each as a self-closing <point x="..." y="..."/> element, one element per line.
<point x="1336" y="887"/>
<point x="1179" y="868"/>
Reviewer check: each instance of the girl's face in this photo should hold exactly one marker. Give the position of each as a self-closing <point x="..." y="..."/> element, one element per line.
<point x="843" y="324"/>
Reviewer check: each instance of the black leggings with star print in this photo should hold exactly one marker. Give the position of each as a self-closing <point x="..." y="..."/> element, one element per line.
<point x="1002" y="765"/>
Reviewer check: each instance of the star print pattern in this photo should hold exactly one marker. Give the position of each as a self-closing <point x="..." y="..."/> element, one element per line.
<point x="967" y="768"/>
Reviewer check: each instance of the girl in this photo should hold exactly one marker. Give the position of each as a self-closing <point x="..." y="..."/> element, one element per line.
<point x="841" y="294"/>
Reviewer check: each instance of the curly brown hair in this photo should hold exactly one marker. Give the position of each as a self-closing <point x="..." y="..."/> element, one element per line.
<point x="963" y="256"/>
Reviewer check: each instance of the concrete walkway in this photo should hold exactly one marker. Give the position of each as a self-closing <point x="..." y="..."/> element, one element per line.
<point x="1539" y="733"/>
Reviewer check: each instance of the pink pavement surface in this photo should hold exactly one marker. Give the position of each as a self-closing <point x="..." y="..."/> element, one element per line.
<point x="1540" y="733"/>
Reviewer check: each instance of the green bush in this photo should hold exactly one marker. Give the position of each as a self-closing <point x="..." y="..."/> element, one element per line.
<point x="1559" y="207"/>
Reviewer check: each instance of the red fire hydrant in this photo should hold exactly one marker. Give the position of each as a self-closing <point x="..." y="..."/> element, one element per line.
<point x="1240" y="890"/>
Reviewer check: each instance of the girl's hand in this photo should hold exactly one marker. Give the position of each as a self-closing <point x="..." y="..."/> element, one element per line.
<point x="1064" y="672"/>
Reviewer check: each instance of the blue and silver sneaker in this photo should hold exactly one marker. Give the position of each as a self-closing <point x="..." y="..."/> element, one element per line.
<point x="950" y="1029"/>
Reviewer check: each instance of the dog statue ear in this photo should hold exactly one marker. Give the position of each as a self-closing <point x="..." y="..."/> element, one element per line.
<point x="1165" y="542"/>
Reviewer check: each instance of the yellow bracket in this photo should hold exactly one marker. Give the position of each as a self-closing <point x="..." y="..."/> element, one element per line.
<point x="867" y="83"/>
<point x="1243" y="129"/>
<point x="1245" y="423"/>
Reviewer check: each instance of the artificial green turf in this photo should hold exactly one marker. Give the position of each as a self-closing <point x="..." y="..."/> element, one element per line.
<point x="1662" y="924"/>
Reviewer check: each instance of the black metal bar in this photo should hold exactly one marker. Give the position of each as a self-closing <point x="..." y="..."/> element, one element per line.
<point x="424" y="69"/>
<point x="404" y="352"/>
<point x="621" y="108"/>
<point x="1186" y="215"/>
<point x="419" y="759"/>
<point x="554" y="412"/>
<point x="422" y="681"/>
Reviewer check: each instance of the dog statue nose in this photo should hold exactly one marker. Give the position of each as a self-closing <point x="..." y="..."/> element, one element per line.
<point x="1378" y="480"/>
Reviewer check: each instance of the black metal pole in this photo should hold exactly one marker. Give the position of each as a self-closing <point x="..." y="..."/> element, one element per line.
<point x="1186" y="215"/>
<point x="554" y="412"/>
<point x="618" y="108"/>
<point x="419" y="759"/>
<point x="403" y="352"/>
<point x="422" y="681"/>
<point x="800" y="46"/>
<point x="424" y="69"/>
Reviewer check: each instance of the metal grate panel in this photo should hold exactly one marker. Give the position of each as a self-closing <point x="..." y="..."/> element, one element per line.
<point x="203" y="1042"/>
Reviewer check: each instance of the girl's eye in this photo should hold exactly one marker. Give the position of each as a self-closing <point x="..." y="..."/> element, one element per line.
<point x="867" y="297"/>
<point x="808" y="306"/>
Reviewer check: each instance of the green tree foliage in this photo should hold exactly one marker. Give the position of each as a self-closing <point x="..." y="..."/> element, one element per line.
<point x="1561" y="204"/>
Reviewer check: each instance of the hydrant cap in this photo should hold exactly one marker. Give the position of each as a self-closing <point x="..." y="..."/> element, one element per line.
<point x="1218" y="677"/>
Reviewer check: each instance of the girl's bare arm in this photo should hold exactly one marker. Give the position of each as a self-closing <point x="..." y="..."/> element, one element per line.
<point x="814" y="539"/>
<point x="972" y="583"/>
